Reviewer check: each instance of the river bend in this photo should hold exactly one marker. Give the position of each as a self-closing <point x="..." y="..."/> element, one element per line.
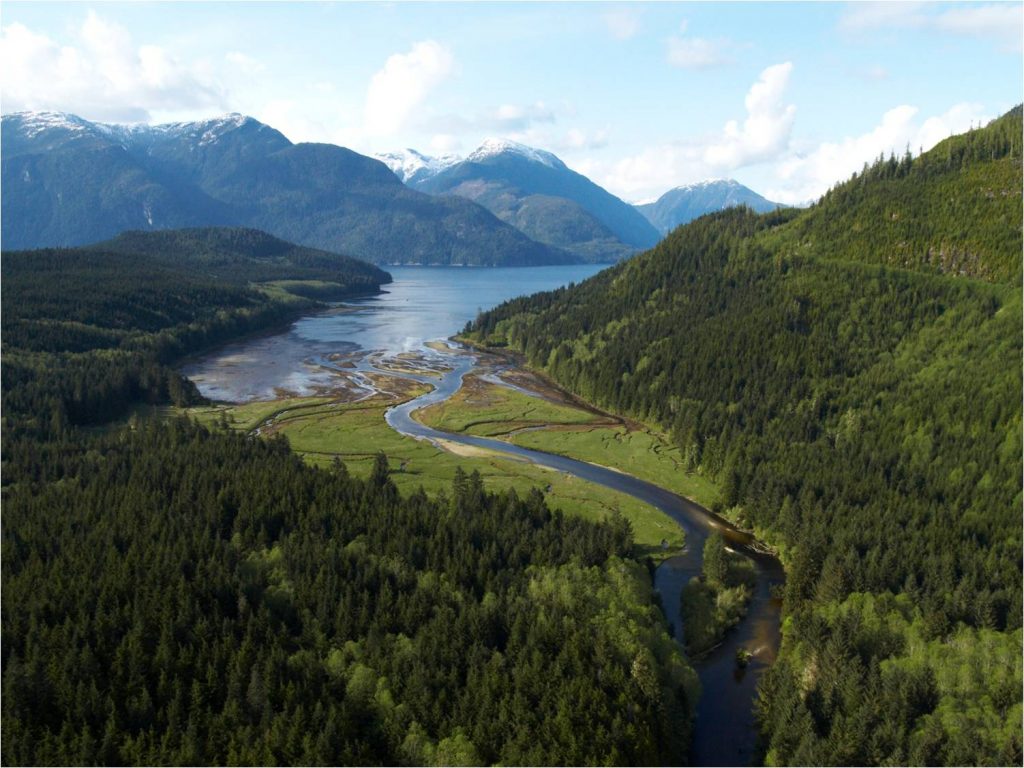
<point x="724" y="729"/>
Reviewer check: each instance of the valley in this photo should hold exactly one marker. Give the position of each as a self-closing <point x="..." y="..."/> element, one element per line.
<point x="436" y="411"/>
<point x="330" y="494"/>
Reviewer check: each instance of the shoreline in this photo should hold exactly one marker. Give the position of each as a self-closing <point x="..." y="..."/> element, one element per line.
<point x="314" y="307"/>
<point x="518" y="360"/>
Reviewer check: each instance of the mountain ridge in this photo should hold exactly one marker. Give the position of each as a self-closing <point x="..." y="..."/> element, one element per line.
<point x="245" y="255"/>
<point x="687" y="202"/>
<point x="534" y="191"/>
<point x="69" y="181"/>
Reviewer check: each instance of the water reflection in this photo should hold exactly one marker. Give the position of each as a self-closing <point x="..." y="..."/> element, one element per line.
<point x="422" y="304"/>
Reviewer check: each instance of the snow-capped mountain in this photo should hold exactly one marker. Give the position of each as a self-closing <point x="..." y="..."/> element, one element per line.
<point x="411" y="166"/>
<point x="70" y="181"/>
<point x="33" y="124"/>
<point x="536" y="192"/>
<point x="48" y="131"/>
<point x="686" y="203"/>
<point x="497" y="147"/>
<point x="62" y="126"/>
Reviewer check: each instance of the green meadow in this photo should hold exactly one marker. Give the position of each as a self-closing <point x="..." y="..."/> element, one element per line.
<point x="323" y="430"/>
<point x="489" y="410"/>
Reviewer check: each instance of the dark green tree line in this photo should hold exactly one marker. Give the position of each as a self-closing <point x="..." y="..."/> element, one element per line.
<point x="862" y="412"/>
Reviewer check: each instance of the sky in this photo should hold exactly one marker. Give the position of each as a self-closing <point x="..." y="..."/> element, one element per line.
<point x="787" y="98"/>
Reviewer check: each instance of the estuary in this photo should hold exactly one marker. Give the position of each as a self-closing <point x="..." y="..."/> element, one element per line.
<point x="366" y="341"/>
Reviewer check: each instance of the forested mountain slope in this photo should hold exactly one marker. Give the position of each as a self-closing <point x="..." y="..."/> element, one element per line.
<point x="246" y="256"/>
<point x="69" y="181"/>
<point x="863" y="418"/>
<point x="176" y="596"/>
<point x="955" y="209"/>
<point x="538" y="194"/>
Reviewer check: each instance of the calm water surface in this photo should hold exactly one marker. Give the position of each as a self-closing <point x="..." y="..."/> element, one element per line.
<point x="422" y="304"/>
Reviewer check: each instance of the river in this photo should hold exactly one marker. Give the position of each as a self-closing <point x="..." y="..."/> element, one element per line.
<point x="428" y="304"/>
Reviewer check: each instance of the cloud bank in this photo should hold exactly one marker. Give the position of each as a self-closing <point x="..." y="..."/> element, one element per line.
<point x="801" y="171"/>
<point x="398" y="89"/>
<point x="763" y="135"/>
<point x="1002" y="23"/>
<point x="102" y="75"/>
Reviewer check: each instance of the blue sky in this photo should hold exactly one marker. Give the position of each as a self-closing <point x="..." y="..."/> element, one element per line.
<point x="786" y="97"/>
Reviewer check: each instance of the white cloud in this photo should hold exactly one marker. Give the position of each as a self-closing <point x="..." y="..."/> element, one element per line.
<point x="999" y="22"/>
<point x="397" y="90"/>
<point x="763" y="137"/>
<point x="957" y="119"/>
<point x="575" y="139"/>
<point x="881" y="15"/>
<point x="696" y="52"/>
<point x="800" y="173"/>
<point x="247" y="65"/>
<point x="445" y="144"/>
<point x="504" y="120"/>
<point x="517" y="117"/>
<point x="622" y="23"/>
<point x="572" y="141"/>
<point x="1002" y="22"/>
<point x="102" y="75"/>
<point x="765" y="132"/>
<point x="808" y="175"/>
<point x="290" y="118"/>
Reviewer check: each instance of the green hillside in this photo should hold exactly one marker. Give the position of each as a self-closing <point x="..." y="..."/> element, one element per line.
<point x="863" y="418"/>
<point x="953" y="210"/>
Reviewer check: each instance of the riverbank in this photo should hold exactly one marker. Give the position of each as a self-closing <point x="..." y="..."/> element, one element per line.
<point x="523" y="409"/>
<point x="324" y="428"/>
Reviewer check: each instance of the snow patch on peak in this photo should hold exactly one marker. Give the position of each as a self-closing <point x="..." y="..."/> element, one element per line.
<point x="207" y="131"/>
<point x="60" y="126"/>
<point x="495" y="147"/>
<point x="407" y="163"/>
<point x="645" y="201"/>
<point x="34" y="123"/>
<point x="708" y="183"/>
<point x="204" y="131"/>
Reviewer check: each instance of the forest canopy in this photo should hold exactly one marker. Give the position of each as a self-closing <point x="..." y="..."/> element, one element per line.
<point x="179" y="596"/>
<point x="851" y="377"/>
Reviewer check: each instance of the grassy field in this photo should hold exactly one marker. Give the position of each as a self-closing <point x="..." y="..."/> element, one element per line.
<point x="486" y="409"/>
<point x="321" y="430"/>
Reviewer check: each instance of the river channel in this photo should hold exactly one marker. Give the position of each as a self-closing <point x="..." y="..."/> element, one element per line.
<point x="429" y="304"/>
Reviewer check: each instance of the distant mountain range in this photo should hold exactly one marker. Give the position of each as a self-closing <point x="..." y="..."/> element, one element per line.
<point x="68" y="181"/>
<point x="684" y="204"/>
<point x="535" y="192"/>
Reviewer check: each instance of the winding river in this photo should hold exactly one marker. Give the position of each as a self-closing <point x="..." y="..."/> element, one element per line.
<point x="724" y="729"/>
<point x="421" y="306"/>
